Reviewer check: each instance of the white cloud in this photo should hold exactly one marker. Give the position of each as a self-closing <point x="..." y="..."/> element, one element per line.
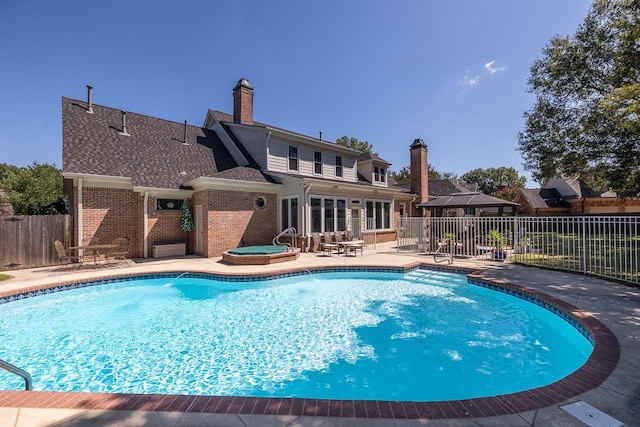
<point x="469" y="80"/>
<point x="492" y="69"/>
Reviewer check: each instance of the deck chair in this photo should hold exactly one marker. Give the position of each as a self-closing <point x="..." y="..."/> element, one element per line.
<point x="315" y="242"/>
<point x="119" y="253"/>
<point x="338" y="237"/>
<point x="65" y="257"/>
<point x="328" y="246"/>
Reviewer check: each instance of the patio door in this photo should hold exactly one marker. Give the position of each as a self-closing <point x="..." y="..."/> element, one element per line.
<point x="356" y="227"/>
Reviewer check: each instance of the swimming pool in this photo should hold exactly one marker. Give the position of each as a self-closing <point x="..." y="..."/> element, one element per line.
<point x="192" y="335"/>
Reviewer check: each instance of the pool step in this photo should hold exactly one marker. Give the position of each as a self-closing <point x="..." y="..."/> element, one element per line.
<point x="432" y="277"/>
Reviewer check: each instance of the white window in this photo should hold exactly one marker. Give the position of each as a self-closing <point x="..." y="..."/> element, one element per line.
<point x="293" y="158"/>
<point x="338" y="166"/>
<point x="317" y="162"/>
<point x="289" y="213"/>
<point x="328" y="214"/>
<point x="379" y="174"/>
<point x="378" y="214"/>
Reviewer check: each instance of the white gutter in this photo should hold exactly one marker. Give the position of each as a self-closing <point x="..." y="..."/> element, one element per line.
<point x="79" y="213"/>
<point x="145" y="226"/>
<point x="305" y="214"/>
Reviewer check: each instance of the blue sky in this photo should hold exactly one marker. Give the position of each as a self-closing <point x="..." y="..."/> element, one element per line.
<point x="451" y="73"/>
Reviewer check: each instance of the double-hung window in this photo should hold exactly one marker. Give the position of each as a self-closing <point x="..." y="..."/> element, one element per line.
<point x="317" y="162"/>
<point x="293" y="158"/>
<point x="338" y="166"/>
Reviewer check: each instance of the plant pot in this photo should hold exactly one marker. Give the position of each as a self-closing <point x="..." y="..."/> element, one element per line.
<point x="498" y="254"/>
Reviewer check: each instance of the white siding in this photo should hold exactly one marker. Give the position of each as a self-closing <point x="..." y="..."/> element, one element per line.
<point x="254" y="141"/>
<point x="278" y="161"/>
<point x="230" y="145"/>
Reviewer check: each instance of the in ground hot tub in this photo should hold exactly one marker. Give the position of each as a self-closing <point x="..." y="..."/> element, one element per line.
<point x="260" y="255"/>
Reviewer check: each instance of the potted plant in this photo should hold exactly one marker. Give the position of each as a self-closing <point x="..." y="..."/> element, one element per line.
<point x="497" y="241"/>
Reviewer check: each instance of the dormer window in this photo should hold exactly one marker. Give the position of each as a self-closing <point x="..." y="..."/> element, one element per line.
<point x="317" y="162"/>
<point x="293" y="158"/>
<point x="379" y="174"/>
<point x="339" y="166"/>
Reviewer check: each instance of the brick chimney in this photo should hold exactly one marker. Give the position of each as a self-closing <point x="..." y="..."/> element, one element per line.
<point x="419" y="170"/>
<point x="243" y="102"/>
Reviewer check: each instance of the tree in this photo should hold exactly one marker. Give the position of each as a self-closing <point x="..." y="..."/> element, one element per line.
<point x="404" y="175"/>
<point x="492" y="179"/>
<point x="33" y="190"/>
<point x="585" y="122"/>
<point x="355" y="144"/>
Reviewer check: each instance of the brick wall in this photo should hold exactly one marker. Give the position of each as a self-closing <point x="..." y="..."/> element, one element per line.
<point x="110" y="213"/>
<point x="233" y="220"/>
<point x="164" y="226"/>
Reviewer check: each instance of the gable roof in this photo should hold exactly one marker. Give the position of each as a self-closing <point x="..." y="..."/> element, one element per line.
<point x="545" y="198"/>
<point x="152" y="154"/>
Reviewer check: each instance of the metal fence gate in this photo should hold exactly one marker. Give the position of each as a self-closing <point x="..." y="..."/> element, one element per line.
<point x="607" y="246"/>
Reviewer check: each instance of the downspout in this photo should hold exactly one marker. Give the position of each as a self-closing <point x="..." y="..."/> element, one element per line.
<point x="145" y="226"/>
<point x="305" y="214"/>
<point x="79" y="213"/>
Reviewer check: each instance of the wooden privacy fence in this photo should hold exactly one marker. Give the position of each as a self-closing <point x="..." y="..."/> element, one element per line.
<point x="27" y="241"/>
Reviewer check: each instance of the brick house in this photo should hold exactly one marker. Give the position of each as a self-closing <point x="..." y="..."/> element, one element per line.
<point x="565" y="196"/>
<point x="127" y="174"/>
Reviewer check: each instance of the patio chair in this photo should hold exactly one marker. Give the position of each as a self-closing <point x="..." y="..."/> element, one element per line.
<point x="315" y="242"/>
<point x="338" y="237"/>
<point x="328" y="246"/>
<point x="65" y="257"/>
<point x="120" y="252"/>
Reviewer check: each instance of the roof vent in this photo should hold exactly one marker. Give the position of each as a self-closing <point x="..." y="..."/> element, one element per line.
<point x="184" y="138"/>
<point x="89" y="101"/>
<point x="124" y="124"/>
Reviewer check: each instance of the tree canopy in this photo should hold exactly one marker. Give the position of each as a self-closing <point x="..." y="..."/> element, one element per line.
<point x="491" y="180"/>
<point x="585" y="122"/>
<point x="403" y="176"/>
<point x="33" y="190"/>
<point x="355" y="144"/>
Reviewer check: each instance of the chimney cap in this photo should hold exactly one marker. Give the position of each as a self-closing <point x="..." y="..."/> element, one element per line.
<point x="417" y="143"/>
<point x="243" y="83"/>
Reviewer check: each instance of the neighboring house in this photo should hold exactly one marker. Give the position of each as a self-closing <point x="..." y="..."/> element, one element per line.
<point x="127" y="174"/>
<point x="542" y="202"/>
<point x="469" y="203"/>
<point x="564" y="196"/>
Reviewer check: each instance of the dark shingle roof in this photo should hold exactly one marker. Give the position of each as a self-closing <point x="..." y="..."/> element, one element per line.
<point x="461" y="200"/>
<point x="153" y="154"/>
<point x="444" y="187"/>
<point x="544" y="198"/>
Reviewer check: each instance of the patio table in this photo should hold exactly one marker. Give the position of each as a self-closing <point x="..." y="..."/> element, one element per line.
<point x="353" y="245"/>
<point x="95" y="249"/>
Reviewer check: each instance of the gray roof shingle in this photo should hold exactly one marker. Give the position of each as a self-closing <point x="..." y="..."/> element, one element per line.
<point x="152" y="155"/>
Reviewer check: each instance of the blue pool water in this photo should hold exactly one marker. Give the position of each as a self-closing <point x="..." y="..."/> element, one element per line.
<point x="421" y="336"/>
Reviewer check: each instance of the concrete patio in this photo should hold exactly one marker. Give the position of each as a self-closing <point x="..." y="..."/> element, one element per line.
<point x="615" y="305"/>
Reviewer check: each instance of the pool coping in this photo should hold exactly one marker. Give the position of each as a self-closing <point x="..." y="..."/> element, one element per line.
<point x="599" y="366"/>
